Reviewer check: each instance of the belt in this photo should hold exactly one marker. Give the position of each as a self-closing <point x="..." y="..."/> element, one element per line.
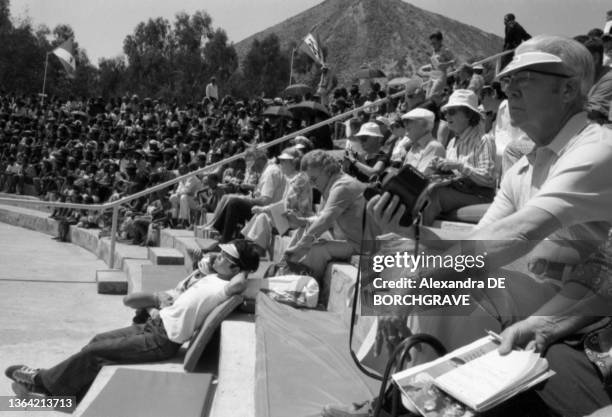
<point x="556" y="270"/>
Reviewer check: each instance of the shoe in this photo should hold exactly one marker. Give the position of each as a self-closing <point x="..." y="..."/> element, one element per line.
<point x="141" y="316"/>
<point x="22" y="374"/>
<point x="28" y="391"/>
<point x="353" y="410"/>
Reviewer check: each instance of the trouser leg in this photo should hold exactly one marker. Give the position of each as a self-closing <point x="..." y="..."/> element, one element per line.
<point x="237" y="211"/>
<point x="576" y="389"/>
<point x="134" y="344"/>
<point x="322" y="253"/>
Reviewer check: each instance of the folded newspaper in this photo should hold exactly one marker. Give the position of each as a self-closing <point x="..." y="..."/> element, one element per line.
<point x="471" y="379"/>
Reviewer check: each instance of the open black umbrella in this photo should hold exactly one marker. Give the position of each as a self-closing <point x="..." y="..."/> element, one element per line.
<point x="297" y="90"/>
<point x="369" y="72"/>
<point x="307" y="109"/>
<point x="278" y="111"/>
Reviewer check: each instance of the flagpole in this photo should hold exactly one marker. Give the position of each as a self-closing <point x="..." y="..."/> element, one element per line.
<point x="291" y="68"/>
<point x="45" y="77"/>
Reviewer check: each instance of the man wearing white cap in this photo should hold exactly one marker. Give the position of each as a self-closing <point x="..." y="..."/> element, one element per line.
<point x="562" y="191"/>
<point x="419" y="123"/>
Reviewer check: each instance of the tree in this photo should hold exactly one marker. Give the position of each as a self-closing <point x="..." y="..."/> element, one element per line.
<point x="221" y="59"/>
<point x="111" y="76"/>
<point x="265" y="67"/>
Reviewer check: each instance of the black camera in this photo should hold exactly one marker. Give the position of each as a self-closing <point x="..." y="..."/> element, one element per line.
<point x="408" y="184"/>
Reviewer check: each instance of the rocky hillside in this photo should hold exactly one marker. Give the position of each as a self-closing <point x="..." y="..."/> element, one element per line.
<point x="388" y="34"/>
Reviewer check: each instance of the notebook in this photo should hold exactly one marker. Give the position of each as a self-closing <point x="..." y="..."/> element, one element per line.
<point x="474" y="377"/>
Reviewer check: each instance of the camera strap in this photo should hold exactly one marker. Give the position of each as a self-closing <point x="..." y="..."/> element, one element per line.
<point x="417" y="235"/>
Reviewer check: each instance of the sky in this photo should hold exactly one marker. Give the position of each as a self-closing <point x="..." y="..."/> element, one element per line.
<point x="100" y="26"/>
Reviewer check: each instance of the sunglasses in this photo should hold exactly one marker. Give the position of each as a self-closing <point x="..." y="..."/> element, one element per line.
<point x="521" y="79"/>
<point x="451" y="112"/>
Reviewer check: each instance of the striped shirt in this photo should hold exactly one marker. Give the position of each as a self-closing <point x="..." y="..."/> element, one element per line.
<point x="476" y="151"/>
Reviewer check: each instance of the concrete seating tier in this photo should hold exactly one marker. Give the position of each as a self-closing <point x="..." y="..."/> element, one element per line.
<point x="236" y="365"/>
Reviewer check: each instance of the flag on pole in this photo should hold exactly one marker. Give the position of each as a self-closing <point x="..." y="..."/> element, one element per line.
<point x="312" y="47"/>
<point x="65" y="53"/>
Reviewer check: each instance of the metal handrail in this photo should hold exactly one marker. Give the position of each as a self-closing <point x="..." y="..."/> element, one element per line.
<point x="114" y="205"/>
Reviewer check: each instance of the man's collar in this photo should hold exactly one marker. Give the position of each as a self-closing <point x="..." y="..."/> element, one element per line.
<point x="573" y="126"/>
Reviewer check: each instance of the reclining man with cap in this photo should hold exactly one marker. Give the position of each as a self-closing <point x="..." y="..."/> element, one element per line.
<point x="158" y="339"/>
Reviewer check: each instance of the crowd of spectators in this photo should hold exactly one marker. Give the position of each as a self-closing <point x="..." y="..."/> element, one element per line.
<point x="454" y="128"/>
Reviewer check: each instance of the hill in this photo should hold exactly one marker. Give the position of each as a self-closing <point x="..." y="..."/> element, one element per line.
<point x="388" y="34"/>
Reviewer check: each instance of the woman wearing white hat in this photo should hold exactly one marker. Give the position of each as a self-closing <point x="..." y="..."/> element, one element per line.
<point x="469" y="156"/>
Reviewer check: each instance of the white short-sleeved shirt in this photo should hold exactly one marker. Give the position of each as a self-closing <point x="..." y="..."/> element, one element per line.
<point x="272" y="183"/>
<point x="190" y="309"/>
<point x="570" y="178"/>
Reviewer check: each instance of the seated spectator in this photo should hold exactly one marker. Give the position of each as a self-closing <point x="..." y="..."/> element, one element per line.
<point x="398" y="133"/>
<point x="159" y="338"/>
<point x="234" y="209"/>
<point x="419" y="124"/>
<point x="157" y="213"/>
<point x="560" y="193"/>
<point x="297" y="200"/>
<point x="343" y="210"/>
<point x="511" y="143"/>
<point x="183" y="200"/>
<point x="600" y="95"/>
<point x="211" y="194"/>
<point x="469" y="158"/>
<point x="373" y="161"/>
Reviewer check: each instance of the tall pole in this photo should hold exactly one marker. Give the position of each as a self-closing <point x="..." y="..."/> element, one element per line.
<point x="291" y="70"/>
<point x="45" y="78"/>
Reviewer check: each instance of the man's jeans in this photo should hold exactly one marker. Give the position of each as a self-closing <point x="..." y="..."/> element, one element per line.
<point x="135" y="344"/>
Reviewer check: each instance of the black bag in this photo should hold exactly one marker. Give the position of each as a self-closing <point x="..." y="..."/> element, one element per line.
<point x="408" y="184"/>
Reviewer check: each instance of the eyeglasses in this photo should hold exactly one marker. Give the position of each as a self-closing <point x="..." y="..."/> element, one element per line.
<point x="521" y="79"/>
<point x="451" y="112"/>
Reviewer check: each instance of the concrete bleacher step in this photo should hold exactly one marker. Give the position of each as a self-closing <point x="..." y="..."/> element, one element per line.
<point x="165" y="256"/>
<point x="111" y="281"/>
<point x="167" y="236"/>
<point x="28" y="218"/>
<point x="235" y="394"/>
<point x="144" y="276"/>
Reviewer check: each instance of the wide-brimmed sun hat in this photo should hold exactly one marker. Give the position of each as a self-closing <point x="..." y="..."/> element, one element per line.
<point x="370" y="129"/>
<point x="462" y="98"/>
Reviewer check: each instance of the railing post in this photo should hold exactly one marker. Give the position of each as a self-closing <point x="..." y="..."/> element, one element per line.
<point x="113" y="236"/>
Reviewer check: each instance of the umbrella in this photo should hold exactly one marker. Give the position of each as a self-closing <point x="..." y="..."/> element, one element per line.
<point x="369" y="72"/>
<point x="297" y="90"/>
<point x="306" y="109"/>
<point x="279" y="111"/>
<point x="398" y="82"/>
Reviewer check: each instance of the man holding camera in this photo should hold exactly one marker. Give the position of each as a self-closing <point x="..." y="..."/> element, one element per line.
<point x="559" y="191"/>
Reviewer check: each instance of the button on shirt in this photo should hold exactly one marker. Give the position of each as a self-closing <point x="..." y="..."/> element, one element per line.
<point x="569" y="178"/>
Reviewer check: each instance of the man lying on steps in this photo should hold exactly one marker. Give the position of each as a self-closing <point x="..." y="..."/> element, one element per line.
<point x="158" y="339"/>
